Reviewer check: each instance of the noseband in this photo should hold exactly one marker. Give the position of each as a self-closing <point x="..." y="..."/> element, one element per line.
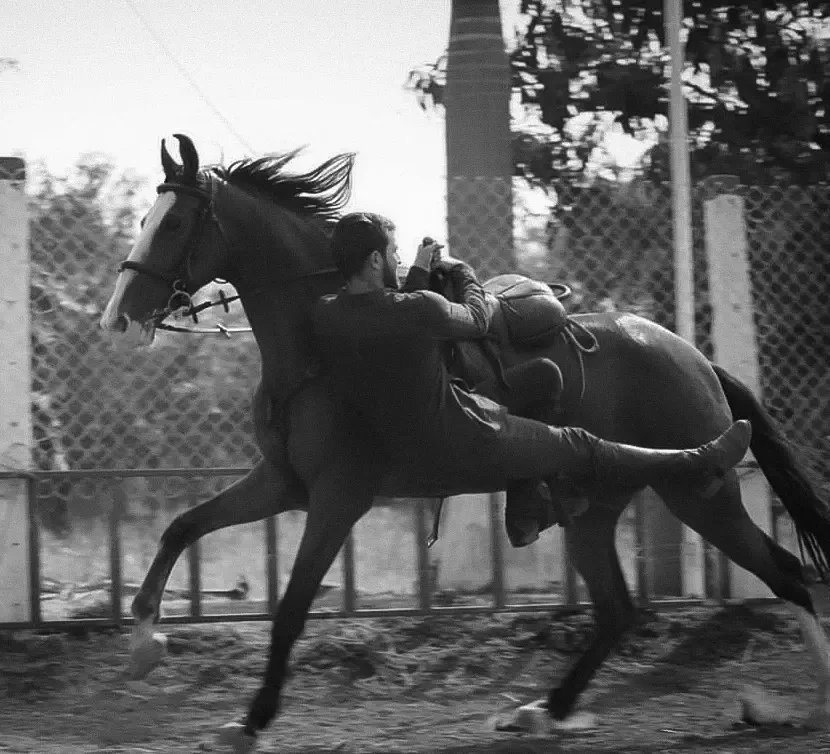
<point x="179" y="280"/>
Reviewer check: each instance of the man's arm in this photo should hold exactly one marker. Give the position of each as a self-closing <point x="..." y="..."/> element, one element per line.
<point x="443" y="319"/>
<point x="421" y="313"/>
<point x="417" y="279"/>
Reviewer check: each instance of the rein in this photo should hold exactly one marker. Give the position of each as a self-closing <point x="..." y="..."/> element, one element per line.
<point x="179" y="279"/>
<point x="224" y="301"/>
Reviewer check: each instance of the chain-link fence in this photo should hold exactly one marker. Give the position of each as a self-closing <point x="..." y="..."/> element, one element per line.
<point x="99" y="404"/>
<point x="185" y="402"/>
<point x="613" y="246"/>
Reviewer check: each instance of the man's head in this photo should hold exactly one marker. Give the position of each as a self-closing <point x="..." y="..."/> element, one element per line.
<point x="365" y="248"/>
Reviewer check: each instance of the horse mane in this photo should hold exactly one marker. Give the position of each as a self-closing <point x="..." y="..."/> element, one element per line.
<point x="322" y="192"/>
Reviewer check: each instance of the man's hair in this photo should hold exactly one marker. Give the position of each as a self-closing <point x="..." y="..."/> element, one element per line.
<point x="355" y="237"/>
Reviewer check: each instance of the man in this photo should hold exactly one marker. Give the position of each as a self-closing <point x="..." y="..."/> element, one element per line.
<point x="383" y="346"/>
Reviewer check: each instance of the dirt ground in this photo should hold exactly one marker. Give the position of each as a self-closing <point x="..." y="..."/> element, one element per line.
<point x="415" y="685"/>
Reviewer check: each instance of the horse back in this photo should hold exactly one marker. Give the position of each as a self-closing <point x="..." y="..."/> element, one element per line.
<point x="640" y="384"/>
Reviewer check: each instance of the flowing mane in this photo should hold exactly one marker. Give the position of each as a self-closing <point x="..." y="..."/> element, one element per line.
<point x="321" y="192"/>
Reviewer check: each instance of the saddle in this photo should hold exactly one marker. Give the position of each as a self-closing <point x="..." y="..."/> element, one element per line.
<point x="526" y="314"/>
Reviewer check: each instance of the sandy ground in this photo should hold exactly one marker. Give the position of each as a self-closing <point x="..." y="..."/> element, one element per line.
<point x="425" y="685"/>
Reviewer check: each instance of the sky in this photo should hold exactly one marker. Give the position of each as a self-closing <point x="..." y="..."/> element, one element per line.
<point x="328" y="74"/>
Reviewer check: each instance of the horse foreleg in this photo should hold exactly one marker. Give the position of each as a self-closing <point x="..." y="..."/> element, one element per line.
<point x="263" y="492"/>
<point x="339" y="497"/>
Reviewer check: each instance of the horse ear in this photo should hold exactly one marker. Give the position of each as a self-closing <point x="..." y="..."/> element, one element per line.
<point x="168" y="163"/>
<point x="190" y="157"/>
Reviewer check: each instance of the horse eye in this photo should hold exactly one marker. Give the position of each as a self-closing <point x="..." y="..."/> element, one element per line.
<point x="172" y="223"/>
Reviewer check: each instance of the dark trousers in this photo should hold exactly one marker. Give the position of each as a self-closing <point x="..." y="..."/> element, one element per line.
<point x="534" y="389"/>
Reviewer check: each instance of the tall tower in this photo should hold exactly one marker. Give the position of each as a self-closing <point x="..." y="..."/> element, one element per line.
<point x="478" y="142"/>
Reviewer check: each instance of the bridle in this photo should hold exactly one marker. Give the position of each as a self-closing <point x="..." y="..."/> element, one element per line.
<point x="180" y="278"/>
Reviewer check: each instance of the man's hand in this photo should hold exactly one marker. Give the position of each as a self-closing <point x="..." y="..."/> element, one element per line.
<point x="428" y="254"/>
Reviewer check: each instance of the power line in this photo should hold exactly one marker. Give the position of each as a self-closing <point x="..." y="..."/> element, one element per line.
<point x="161" y="43"/>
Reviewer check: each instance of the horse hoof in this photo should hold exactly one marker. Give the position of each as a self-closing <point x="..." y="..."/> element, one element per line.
<point x="534" y="718"/>
<point x="233" y="737"/>
<point x="530" y="718"/>
<point x="147" y="650"/>
<point x="578" y="721"/>
<point x="758" y="707"/>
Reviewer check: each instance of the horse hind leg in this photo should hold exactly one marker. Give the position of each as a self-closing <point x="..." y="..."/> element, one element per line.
<point x="592" y="551"/>
<point x="262" y="492"/>
<point x="723" y="521"/>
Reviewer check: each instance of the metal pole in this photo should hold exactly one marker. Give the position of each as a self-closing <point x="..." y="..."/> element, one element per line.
<point x="497" y="554"/>
<point x="119" y="506"/>
<point x="272" y="563"/>
<point x="684" y="296"/>
<point x="349" y="586"/>
<point x="194" y="562"/>
<point x="424" y="575"/>
<point x="680" y="178"/>
<point x="642" y="550"/>
<point x="571" y="594"/>
<point x="32" y="489"/>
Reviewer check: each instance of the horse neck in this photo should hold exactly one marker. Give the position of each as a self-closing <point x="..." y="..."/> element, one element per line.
<point x="280" y="321"/>
<point x="282" y="260"/>
<point x="270" y="244"/>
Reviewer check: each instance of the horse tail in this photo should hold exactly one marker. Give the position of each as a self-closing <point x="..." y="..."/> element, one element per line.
<point x="788" y="479"/>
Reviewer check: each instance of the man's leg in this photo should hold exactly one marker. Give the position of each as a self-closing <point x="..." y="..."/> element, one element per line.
<point x="535" y="389"/>
<point x="527" y="449"/>
<point x="535" y="393"/>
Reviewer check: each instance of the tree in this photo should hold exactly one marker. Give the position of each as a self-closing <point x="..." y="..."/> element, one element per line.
<point x="97" y="404"/>
<point x="757" y="84"/>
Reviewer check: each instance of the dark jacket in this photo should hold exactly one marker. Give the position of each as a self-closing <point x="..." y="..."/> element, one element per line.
<point x="385" y="352"/>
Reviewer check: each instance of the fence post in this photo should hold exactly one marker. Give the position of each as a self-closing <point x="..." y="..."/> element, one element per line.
<point x="735" y="345"/>
<point x="15" y="413"/>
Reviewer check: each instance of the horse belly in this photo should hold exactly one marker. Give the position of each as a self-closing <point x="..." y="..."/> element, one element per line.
<point x="312" y="431"/>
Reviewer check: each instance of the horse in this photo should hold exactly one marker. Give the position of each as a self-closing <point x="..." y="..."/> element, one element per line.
<point x="263" y="225"/>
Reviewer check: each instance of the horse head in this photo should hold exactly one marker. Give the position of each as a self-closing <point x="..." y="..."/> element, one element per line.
<point x="163" y="268"/>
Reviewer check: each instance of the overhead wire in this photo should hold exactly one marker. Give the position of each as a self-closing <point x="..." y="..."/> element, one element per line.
<point x="184" y="72"/>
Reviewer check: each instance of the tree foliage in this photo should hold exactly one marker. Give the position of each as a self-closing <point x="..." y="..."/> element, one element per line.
<point x="99" y="404"/>
<point x="756" y="81"/>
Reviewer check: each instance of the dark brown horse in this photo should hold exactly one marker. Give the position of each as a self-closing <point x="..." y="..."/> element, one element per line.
<point x="265" y="229"/>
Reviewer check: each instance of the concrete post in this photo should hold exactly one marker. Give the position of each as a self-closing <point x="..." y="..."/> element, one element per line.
<point x="15" y="413"/>
<point x="735" y="347"/>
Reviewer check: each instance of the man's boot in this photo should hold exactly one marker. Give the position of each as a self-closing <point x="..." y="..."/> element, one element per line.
<point x="617" y="466"/>
<point x="524" y="510"/>
<point x="535" y="390"/>
<point x="532" y="506"/>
